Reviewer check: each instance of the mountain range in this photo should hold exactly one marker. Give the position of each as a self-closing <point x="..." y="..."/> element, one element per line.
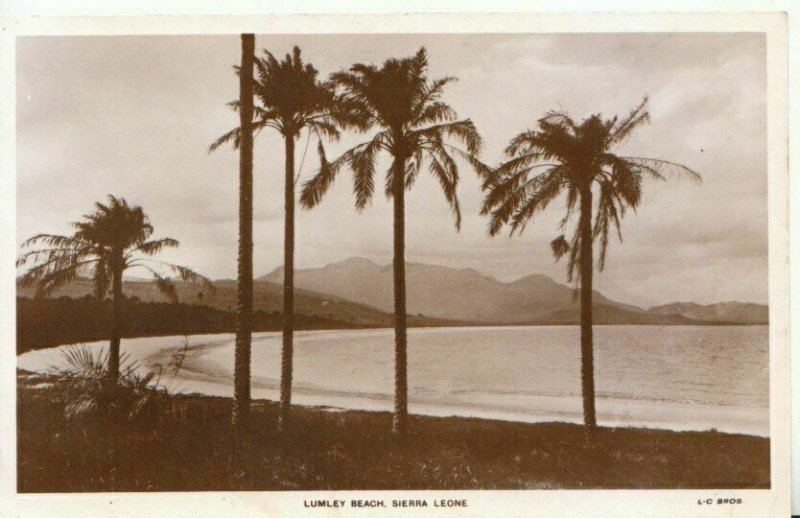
<point x="738" y="312"/>
<point x="359" y="292"/>
<point x="470" y="296"/>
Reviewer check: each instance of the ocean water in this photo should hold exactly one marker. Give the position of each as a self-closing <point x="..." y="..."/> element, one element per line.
<point x="672" y="377"/>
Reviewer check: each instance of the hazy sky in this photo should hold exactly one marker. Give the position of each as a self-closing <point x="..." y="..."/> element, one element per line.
<point x="133" y="116"/>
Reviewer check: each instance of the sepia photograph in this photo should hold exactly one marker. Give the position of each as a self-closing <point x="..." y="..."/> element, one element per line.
<point x="381" y="269"/>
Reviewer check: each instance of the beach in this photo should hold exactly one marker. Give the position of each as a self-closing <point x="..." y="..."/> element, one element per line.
<point x="666" y="377"/>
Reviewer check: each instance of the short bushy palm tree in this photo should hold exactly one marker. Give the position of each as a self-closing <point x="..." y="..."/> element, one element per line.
<point x="414" y="127"/>
<point x="291" y="100"/>
<point x="106" y="243"/>
<point x="575" y="159"/>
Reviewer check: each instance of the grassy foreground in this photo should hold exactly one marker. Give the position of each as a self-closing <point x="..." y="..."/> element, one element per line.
<point x="188" y="446"/>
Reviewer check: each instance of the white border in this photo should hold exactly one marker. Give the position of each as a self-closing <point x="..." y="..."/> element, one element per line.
<point x="774" y="502"/>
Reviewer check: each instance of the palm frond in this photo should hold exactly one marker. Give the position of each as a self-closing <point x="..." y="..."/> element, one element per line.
<point x="81" y="361"/>
<point x="261" y="120"/>
<point x="444" y="169"/>
<point x="56" y="241"/>
<point x="501" y="202"/>
<point x="48" y="281"/>
<point x="522" y="161"/>
<point x="155" y="246"/>
<point x="166" y="286"/>
<point x="558" y="118"/>
<point x="659" y="168"/>
<point x="55" y="254"/>
<point x="263" y="117"/>
<point x="234" y="105"/>
<point x="413" y="167"/>
<point x="635" y="118"/>
<point x="504" y="179"/>
<point x="505" y="203"/>
<point x="349" y="113"/>
<point x="609" y="211"/>
<point x="190" y="276"/>
<point x="549" y="190"/>
<point x="429" y="95"/>
<point x="325" y="128"/>
<point x="315" y="188"/>
<point x="362" y="163"/>
<point x="418" y="63"/>
<point x="572" y="200"/>
<point x="575" y="248"/>
<point x="435" y="112"/>
<point x="626" y="182"/>
<point x="481" y="169"/>
<point x="521" y="143"/>
<point x="396" y="171"/>
<point x="463" y="130"/>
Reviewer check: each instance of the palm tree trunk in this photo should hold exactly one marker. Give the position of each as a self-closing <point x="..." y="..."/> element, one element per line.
<point x="116" y="319"/>
<point x="244" y="310"/>
<point x="400" y="421"/>
<point x="587" y="354"/>
<point x="288" y="289"/>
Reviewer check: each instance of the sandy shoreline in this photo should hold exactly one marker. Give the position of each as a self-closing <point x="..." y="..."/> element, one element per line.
<point x="206" y="371"/>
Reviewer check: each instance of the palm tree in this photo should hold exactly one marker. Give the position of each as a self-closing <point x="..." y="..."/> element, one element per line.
<point x="291" y="100"/>
<point x="108" y="241"/>
<point x="244" y="286"/>
<point x="414" y="124"/>
<point x="561" y="156"/>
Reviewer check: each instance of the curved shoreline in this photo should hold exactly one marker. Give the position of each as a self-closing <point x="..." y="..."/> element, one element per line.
<point x="206" y="371"/>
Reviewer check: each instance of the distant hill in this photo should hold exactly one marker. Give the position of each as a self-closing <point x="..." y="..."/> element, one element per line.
<point x="359" y="292"/>
<point x="735" y="312"/>
<point x="267" y="296"/>
<point x="468" y="295"/>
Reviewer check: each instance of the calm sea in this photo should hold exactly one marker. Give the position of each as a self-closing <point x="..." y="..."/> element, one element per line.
<point x="675" y="377"/>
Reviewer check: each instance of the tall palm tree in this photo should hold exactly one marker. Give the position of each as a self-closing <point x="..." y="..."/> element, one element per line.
<point x="564" y="157"/>
<point x="414" y="125"/>
<point x="291" y="99"/>
<point x="244" y="286"/>
<point x="108" y="241"/>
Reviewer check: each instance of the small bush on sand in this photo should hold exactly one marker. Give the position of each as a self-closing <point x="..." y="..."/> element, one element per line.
<point x="88" y="396"/>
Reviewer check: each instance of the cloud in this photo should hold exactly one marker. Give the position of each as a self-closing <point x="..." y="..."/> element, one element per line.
<point x="134" y="116"/>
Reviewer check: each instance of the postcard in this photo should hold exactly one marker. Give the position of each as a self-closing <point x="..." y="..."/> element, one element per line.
<point x="397" y="265"/>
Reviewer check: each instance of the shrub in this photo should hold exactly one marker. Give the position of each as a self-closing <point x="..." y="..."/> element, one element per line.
<point x="88" y="396"/>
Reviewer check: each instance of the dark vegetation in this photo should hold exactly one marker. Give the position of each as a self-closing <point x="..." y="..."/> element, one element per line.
<point x="45" y="322"/>
<point x="190" y="446"/>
